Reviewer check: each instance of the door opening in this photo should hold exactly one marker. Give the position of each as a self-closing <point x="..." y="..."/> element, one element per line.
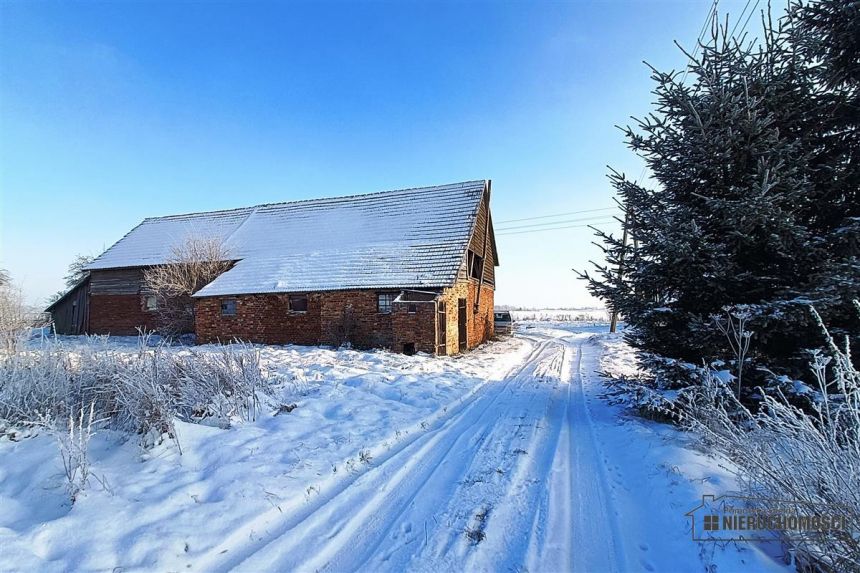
<point x="441" y="329"/>
<point x="461" y="323"/>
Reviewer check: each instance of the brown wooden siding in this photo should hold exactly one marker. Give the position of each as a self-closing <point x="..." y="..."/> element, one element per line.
<point x="117" y="281"/>
<point x="476" y="244"/>
<point x="71" y="313"/>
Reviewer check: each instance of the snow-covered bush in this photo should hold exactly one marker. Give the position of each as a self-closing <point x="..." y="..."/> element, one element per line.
<point x="141" y="391"/>
<point x="74" y="450"/>
<point x="224" y="385"/>
<point x="14" y="318"/>
<point x="781" y="451"/>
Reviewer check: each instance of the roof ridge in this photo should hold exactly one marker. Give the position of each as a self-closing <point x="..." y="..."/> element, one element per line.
<point x="254" y="208"/>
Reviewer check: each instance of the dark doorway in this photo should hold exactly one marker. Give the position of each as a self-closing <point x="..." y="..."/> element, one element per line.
<point x="461" y="323"/>
<point x="408" y="348"/>
<point x="441" y="329"/>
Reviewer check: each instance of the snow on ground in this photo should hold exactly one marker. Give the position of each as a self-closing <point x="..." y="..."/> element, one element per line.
<point x="581" y="315"/>
<point x="507" y="458"/>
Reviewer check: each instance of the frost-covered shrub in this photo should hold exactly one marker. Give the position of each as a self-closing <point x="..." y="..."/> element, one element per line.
<point x="141" y="391"/>
<point x="654" y="392"/>
<point x="14" y="318"/>
<point x="807" y="455"/>
<point x="74" y="450"/>
<point x="224" y="385"/>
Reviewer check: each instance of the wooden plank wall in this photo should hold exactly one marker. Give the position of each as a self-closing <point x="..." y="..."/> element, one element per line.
<point x="117" y="281"/>
<point x="476" y="244"/>
<point x="72" y="313"/>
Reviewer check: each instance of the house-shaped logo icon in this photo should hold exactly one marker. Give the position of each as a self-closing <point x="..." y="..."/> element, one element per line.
<point x="706" y="518"/>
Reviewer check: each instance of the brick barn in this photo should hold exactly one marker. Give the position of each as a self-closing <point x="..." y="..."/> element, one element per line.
<point x="411" y="270"/>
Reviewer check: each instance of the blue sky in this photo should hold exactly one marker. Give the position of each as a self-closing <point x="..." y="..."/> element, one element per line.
<point x="112" y="112"/>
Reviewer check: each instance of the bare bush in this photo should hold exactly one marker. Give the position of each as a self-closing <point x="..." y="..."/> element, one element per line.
<point x="783" y="452"/>
<point x="143" y="392"/>
<point x="733" y="327"/>
<point x="35" y="385"/>
<point x="14" y="316"/>
<point x="342" y="331"/>
<point x="192" y="264"/>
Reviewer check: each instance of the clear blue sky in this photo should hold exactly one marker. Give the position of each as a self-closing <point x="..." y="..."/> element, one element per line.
<point x="112" y="112"/>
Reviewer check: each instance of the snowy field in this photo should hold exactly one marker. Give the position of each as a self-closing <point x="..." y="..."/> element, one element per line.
<point x="561" y="315"/>
<point x="505" y="459"/>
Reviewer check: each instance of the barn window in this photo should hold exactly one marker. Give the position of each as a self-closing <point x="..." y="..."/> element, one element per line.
<point x="150" y="302"/>
<point x="384" y="301"/>
<point x="476" y="265"/>
<point x="412" y="308"/>
<point x="298" y="303"/>
<point x="228" y="307"/>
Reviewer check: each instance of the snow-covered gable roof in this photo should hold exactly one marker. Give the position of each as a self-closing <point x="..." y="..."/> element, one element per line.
<point x="410" y="238"/>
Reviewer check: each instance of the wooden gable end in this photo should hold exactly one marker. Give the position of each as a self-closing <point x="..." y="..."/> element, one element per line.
<point x="483" y="244"/>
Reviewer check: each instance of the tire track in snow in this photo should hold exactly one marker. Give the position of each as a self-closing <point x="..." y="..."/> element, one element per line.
<point x="509" y="532"/>
<point x="517" y="461"/>
<point x="505" y="496"/>
<point x="576" y="527"/>
<point x="361" y="525"/>
<point x="276" y="522"/>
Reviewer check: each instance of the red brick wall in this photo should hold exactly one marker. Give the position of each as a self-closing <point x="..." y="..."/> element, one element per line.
<point x="482" y="324"/>
<point x="479" y="325"/>
<point x="266" y="319"/>
<point x="118" y="314"/>
<point x="372" y="329"/>
<point x="418" y="328"/>
<point x="263" y="318"/>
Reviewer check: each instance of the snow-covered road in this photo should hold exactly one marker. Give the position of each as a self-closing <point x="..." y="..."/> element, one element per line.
<point x="514" y="475"/>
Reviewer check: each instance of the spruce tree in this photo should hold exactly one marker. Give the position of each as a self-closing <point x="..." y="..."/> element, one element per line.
<point x="754" y="202"/>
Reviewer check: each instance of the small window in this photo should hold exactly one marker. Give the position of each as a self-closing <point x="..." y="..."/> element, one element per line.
<point x="384" y="301"/>
<point x="409" y="348"/>
<point x="476" y="265"/>
<point x="412" y="308"/>
<point x="150" y="302"/>
<point x="298" y="303"/>
<point x="228" y="307"/>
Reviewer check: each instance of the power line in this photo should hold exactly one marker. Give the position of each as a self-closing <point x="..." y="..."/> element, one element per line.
<point x="741" y="17"/>
<point x="555" y="215"/>
<point x="743" y="29"/>
<point x="601" y="218"/>
<point x="712" y="12"/>
<point x="541" y="230"/>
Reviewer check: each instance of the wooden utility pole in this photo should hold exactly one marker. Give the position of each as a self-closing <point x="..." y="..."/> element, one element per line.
<point x="613" y="324"/>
